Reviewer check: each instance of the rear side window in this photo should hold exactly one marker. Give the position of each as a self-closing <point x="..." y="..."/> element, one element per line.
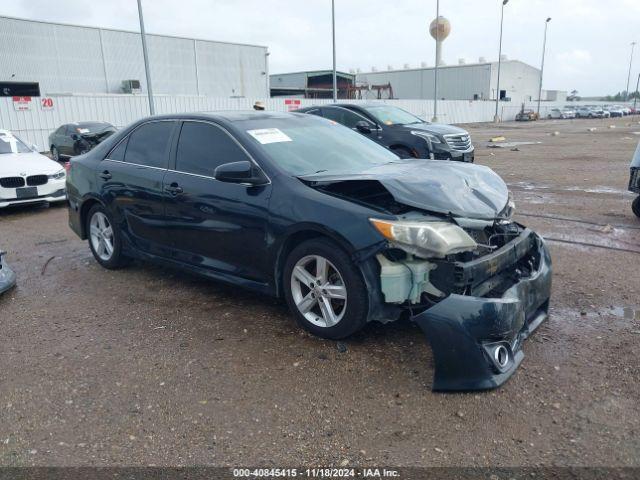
<point x="203" y="147"/>
<point x="342" y="116"/>
<point x="118" y="152"/>
<point x="149" y="145"/>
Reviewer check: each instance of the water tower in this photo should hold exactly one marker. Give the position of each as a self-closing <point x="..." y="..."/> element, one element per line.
<point x="440" y="28"/>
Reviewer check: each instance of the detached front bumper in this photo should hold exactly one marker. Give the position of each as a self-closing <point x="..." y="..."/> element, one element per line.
<point x="7" y="276"/>
<point x="476" y="341"/>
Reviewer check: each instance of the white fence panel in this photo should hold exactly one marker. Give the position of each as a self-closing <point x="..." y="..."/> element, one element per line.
<point x="35" y="124"/>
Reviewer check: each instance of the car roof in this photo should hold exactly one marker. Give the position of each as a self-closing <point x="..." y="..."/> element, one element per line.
<point x="229" y="115"/>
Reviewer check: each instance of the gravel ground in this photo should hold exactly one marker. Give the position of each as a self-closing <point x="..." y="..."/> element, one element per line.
<point x="151" y="366"/>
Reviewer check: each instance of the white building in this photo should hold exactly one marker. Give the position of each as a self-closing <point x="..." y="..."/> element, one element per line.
<point x="518" y="81"/>
<point x="77" y="59"/>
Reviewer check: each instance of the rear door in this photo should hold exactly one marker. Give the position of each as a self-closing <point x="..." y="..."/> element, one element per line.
<point x="215" y="225"/>
<point x="131" y="184"/>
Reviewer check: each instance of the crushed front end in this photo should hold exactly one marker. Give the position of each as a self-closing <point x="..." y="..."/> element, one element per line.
<point x="476" y="306"/>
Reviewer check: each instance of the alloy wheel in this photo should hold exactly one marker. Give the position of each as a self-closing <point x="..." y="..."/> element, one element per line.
<point x="101" y="233"/>
<point x="319" y="291"/>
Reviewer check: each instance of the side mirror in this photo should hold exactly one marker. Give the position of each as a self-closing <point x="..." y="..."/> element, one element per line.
<point x="75" y="136"/>
<point x="239" y="172"/>
<point x="363" y="127"/>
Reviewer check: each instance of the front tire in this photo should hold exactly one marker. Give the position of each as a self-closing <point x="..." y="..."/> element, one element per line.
<point x="403" y="152"/>
<point x="325" y="290"/>
<point x="105" y="239"/>
<point x="635" y="206"/>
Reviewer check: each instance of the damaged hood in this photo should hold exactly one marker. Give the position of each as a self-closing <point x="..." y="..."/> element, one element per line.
<point x="460" y="189"/>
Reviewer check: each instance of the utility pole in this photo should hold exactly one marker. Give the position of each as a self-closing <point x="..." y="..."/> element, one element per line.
<point x="544" y="47"/>
<point x="152" y="110"/>
<point x="496" y="118"/>
<point x="635" y="98"/>
<point x="626" y="95"/>
<point x="435" y="71"/>
<point x="333" y="31"/>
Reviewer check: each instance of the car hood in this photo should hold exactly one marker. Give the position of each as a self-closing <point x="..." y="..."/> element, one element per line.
<point x="438" y="186"/>
<point x="31" y="163"/>
<point x="438" y="128"/>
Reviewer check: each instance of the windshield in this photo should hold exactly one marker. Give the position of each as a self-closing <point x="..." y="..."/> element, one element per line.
<point x="393" y="115"/>
<point x="315" y="145"/>
<point x="11" y="144"/>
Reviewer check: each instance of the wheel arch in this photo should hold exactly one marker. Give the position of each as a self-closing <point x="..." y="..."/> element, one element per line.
<point x="295" y="238"/>
<point x="87" y="204"/>
<point x="403" y="146"/>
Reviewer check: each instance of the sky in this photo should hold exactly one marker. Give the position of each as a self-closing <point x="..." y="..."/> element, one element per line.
<point x="588" y="43"/>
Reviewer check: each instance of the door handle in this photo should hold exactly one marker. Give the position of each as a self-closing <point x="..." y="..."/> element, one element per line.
<point x="174" y="189"/>
<point x="105" y="175"/>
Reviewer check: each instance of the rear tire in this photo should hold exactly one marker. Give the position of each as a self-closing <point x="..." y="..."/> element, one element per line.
<point x="105" y="239"/>
<point x="635" y="206"/>
<point x="312" y="290"/>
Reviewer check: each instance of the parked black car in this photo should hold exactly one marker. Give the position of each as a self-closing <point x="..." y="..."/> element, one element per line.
<point x="634" y="181"/>
<point x="302" y="208"/>
<point x="74" y="139"/>
<point x="404" y="133"/>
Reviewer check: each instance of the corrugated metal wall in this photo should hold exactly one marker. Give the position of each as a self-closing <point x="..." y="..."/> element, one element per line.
<point x="35" y="125"/>
<point x="73" y="59"/>
<point x="460" y="82"/>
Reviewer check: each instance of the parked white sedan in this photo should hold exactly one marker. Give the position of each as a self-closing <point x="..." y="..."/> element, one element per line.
<point x="26" y="176"/>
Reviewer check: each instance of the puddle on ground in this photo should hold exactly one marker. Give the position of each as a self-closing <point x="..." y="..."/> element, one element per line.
<point x="629" y="313"/>
<point x="597" y="189"/>
<point x="626" y="313"/>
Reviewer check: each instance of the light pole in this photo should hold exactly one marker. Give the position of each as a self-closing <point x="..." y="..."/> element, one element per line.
<point x="635" y="99"/>
<point x="435" y="71"/>
<point x="496" y="118"/>
<point x="544" y="47"/>
<point x="333" y="31"/>
<point x="626" y="95"/>
<point x="152" y="110"/>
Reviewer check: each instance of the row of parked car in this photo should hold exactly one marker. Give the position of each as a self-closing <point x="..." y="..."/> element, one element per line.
<point x="591" y="111"/>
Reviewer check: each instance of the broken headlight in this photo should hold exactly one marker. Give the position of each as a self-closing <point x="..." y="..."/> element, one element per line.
<point x="425" y="239"/>
<point x="509" y="209"/>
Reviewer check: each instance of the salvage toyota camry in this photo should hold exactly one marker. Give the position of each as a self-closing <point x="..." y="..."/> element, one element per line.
<point x="300" y="207"/>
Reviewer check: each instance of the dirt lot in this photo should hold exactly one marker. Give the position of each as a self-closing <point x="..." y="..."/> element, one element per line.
<point x="151" y="366"/>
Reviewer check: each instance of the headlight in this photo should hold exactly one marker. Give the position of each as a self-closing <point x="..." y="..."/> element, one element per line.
<point x="509" y="209"/>
<point x="429" y="136"/>
<point x="425" y="239"/>
<point x="57" y="176"/>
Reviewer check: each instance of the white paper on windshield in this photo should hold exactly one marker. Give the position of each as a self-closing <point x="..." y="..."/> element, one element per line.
<point x="269" y="135"/>
<point x="83" y="130"/>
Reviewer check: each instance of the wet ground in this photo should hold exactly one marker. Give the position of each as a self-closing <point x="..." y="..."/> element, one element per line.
<point x="150" y="366"/>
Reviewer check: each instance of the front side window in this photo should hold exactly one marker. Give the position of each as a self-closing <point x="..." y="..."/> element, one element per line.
<point x="392" y="115"/>
<point x="149" y="145"/>
<point x="202" y="147"/>
<point x="342" y="116"/>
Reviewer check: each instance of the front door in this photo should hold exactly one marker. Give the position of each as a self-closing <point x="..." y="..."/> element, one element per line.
<point x="131" y="184"/>
<point x="215" y="225"/>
